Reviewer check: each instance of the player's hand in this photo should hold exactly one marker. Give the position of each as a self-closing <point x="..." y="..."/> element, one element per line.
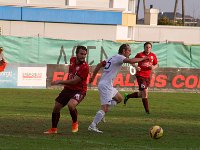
<point x="152" y="67"/>
<point x="138" y="68"/>
<point x="55" y="82"/>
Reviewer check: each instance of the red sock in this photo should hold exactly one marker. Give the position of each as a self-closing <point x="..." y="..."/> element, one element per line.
<point x="74" y="114"/>
<point x="145" y="104"/>
<point x="55" y="119"/>
<point x="133" y="95"/>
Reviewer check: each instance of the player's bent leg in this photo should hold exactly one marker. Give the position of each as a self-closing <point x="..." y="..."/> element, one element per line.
<point x="118" y="97"/>
<point x="99" y="116"/>
<point x="55" y="118"/>
<point x="74" y="114"/>
<point x="145" y="100"/>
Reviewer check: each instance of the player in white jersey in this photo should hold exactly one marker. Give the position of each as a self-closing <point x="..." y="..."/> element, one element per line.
<point x="109" y="95"/>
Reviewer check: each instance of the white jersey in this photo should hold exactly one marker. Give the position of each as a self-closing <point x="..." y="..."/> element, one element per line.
<point x="113" y="66"/>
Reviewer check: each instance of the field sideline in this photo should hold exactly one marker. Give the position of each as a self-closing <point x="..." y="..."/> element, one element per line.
<point x="26" y="113"/>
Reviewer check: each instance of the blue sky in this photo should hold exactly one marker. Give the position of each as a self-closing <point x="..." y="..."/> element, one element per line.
<point x="192" y="7"/>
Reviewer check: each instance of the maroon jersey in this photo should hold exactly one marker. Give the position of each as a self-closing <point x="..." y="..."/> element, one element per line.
<point x="144" y="65"/>
<point x="80" y="70"/>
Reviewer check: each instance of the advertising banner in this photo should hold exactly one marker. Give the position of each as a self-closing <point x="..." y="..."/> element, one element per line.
<point x="31" y="76"/>
<point x="162" y="79"/>
<point x="8" y="78"/>
<point x="23" y="76"/>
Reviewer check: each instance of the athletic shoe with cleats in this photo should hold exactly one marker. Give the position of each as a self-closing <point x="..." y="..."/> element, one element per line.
<point x="95" y="129"/>
<point x="125" y="98"/>
<point x="75" y="127"/>
<point x="51" y="131"/>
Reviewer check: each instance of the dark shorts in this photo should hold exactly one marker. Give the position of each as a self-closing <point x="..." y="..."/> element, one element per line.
<point x="65" y="96"/>
<point x="143" y="82"/>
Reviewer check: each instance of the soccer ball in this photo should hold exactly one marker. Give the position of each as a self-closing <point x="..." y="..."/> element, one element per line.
<point x="156" y="132"/>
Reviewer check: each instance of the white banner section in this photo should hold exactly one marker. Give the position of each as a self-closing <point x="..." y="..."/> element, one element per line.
<point x="32" y="76"/>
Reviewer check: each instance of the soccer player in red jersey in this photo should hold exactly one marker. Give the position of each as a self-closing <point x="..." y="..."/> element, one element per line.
<point x="143" y="73"/>
<point x="74" y="91"/>
<point x="2" y="60"/>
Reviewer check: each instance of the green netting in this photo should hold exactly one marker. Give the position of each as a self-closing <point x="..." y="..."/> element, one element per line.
<point x="35" y="50"/>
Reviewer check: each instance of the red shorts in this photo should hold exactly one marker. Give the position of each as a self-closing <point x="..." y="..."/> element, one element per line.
<point x="65" y="96"/>
<point x="143" y="82"/>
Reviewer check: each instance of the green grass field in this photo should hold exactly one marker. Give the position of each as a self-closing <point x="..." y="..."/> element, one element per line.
<point x="25" y="114"/>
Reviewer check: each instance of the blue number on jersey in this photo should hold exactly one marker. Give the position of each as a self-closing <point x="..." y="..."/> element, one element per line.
<point x="108" y="64"/>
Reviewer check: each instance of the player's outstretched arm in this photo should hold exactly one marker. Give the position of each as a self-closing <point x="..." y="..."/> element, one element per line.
<point x="135" y="60"/>
<point x="96" y="70"/>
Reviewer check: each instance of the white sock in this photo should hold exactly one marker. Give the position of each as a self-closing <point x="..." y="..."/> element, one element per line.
<point x="100" y="114"/>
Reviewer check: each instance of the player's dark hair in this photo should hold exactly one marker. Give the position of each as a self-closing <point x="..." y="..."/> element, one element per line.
<point x="122" y="47"/>
<point x="147" y="44"/>
<point x="78" y="48"/>
<point x="1" y="48"/>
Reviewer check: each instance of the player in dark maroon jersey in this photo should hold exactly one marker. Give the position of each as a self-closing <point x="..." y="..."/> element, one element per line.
<point x="143" y="73"/>
<point x="74" y="91"/>
<point x="2" y="60"/>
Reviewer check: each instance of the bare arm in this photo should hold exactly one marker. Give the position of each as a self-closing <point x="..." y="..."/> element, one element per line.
<point x="73" y="81"/>
<point x="96" y="70"/>
<point x="153" y="67"/>
<point x="134" y="60"/>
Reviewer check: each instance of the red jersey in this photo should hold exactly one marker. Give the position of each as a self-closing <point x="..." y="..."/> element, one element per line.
<point x="80" y="70"/>
<point x="144" y="65"/>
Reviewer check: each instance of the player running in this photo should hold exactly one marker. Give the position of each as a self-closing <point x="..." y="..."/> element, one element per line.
<point x="109" y="96"/>
<point x="143" y="73"/>
<point x="74" y="91"/>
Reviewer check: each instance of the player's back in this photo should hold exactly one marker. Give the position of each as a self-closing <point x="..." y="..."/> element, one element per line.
<point x="113" y="66"/>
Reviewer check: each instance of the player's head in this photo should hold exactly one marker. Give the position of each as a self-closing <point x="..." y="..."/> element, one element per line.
<point x="1" y="49"/>
<point x="81" y="52"/>
<point x="147" y="47"/>
<point x="125" y="50"/>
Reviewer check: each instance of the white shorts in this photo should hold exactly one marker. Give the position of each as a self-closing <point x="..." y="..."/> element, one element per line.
<point x="106" y="93"/>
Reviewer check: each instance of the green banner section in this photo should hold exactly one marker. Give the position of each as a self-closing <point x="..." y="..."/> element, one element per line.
<point x="36" y="50"/>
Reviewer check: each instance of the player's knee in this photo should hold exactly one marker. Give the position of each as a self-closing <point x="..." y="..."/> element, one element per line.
<point x="57" y="107"/>
<point x="105" y="108"/>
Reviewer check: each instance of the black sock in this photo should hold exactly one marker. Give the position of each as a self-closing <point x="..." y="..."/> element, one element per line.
<point x="74" y="114"/>
<point x="145" y="104"/>
<point x="55" y="119"/>
<point x="133" y="95"/>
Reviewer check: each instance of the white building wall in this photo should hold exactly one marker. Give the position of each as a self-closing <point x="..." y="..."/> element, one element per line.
<point x="122" y="33"/>
<point x="187" y="35"/>
<point x="47" y="2"/>
<point x="93" y="3"/>
<point x="121" y="4"/>
<point x="58" y="30"/>
<point x="20" y="28"/>
<point x="80" y="31"/>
